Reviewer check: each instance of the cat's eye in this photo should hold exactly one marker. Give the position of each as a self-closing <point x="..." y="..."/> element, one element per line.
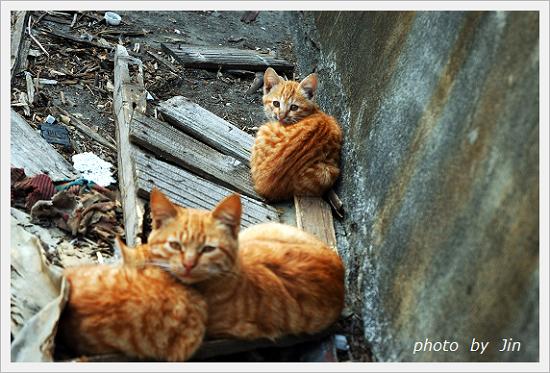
<point x="207" y="249"/>
<point x="175" y="245"/>
<point x="293" y="107"/>
<point x="276" y="103"/>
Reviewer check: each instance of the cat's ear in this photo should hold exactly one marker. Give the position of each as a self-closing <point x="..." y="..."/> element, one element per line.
<point x="127" y="253"/>
<point x="271" y="80"/>
<point x="162" y="210"/>
<point x="229" y="211"/>
<point x="309" y="86"/>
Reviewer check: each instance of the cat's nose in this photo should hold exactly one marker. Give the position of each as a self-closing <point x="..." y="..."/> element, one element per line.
<point x="189" y="265"/>
<point x="282" y="115"/>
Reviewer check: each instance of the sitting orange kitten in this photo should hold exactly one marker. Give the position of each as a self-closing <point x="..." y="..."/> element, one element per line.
<point x="297" y="152"/>
<point x="137" y="310"/>
<point x="271" y="280"/>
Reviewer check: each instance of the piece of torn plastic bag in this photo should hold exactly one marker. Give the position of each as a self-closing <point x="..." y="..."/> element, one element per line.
<point x="38" y="295"/>
<point x="93" y="168"/>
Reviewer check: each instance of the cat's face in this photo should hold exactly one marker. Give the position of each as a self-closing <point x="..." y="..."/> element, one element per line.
<point x="288" y="102"/>
<point x="194" y="245"/>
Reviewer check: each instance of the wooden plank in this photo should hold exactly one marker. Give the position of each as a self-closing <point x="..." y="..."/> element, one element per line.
<point x="128" y="97"/>
<point x="208" y="128"/>
<point x="191" y="191"/>
<point x="216" y="57"/>
<point x="19" y="44"/>
<point x="220" y="347"/>
<point x="314" y="216"/>
<point x="183" y="150"/>
<point x="32" y="152"/>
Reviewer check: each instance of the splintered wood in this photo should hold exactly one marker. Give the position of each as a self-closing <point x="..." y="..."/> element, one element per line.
<point x="211" y="57"/>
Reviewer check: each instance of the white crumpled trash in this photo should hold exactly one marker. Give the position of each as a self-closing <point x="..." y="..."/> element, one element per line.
<point x="93" y="168"/>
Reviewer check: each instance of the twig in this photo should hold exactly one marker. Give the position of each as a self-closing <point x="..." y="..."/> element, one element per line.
<point x="87" y="130"/>
<point x="162" y="60"/>
<point x="335" y="202"/>
<point x="74" y="20"/>
<point x="34" y="39"/>
<point x="256" y="84"/>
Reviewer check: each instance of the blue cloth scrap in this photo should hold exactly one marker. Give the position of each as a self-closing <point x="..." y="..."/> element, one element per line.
<point x="83" y="182"/>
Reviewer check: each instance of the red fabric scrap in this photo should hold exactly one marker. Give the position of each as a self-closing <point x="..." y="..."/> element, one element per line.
<point x="36" y="188"/>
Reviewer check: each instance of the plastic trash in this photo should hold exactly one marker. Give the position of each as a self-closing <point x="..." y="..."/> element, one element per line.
<point x="112" y="18"/>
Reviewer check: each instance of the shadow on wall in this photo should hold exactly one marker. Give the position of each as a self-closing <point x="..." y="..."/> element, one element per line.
<point x="440" y="176"/>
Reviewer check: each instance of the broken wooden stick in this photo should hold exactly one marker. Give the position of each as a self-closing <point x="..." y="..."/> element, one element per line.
<point x="128" y="97"/>
<point x="35" y="40"/>
<point x="163" y="61"/>
<point x="335" y="202"/>
<point x="87" y="130"/>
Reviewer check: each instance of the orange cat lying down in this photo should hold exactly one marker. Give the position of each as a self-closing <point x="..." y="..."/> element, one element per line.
<point x="269" y="280"/>
<point x="139" y="311"/>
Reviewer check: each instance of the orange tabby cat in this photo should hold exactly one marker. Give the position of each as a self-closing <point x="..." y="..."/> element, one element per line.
<point x="271" y="280"/>
<point x="140" y="311"/>
<point x="297" y="152"/>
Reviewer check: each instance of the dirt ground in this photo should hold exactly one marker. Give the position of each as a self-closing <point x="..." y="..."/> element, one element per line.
<point x="85" y="76"/>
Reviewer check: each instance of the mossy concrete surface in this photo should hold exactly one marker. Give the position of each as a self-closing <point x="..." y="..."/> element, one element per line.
<point x="440" y="175"/>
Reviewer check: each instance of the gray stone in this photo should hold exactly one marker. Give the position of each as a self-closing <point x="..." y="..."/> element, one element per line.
<point x="440" y="174"/>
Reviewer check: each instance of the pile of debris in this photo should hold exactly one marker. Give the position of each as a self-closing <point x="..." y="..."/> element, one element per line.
<point x="118" y="100"/>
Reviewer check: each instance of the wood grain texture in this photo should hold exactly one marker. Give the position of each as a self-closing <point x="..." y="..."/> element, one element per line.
<point x="128" y="97"/>
<point x="179" y="148"/>
<point x="314" y="216"/>
<point x="208" y="128"/>
<point x="19" y="44"/>
<point x="191" y="191"/>
<point x="32" y="152"/>
<point x="214" y="57"/>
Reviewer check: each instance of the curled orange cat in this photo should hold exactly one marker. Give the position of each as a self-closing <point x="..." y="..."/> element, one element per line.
<point x="298" y="151"/>
<point x="269" y="280"/>
<point x="137" y="310"/>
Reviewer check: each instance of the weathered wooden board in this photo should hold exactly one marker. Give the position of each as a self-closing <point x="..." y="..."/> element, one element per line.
<point x="220" y="347"/>
<point x="177" y="147"/>
<point x="191" y="191"/>
<point x="214" y="57"/>
<point x="208" y="128"/>
<point x="128" y="97"/>
<point x="30" y="151"/>
<point x="19" y="44"/>
<point x="314" y="216"/>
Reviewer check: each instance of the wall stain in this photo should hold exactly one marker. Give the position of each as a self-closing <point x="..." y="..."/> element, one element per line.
<point x="427" y="122"/>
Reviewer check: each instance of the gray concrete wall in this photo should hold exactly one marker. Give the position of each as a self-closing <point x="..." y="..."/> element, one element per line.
<point x="440" y="174"/>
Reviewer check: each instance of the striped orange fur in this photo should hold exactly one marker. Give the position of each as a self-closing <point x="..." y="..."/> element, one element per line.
<point x="137" y="310"/>
<point x="298" y="151"/>
<point x="267" y="281"/>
